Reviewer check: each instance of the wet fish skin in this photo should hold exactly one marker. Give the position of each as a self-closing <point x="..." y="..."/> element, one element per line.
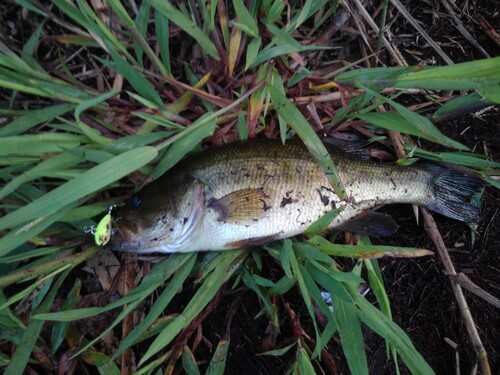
<point x="249" y="193"/>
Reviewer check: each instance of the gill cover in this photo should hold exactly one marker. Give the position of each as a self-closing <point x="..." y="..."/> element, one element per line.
<point x="196" y="196"/>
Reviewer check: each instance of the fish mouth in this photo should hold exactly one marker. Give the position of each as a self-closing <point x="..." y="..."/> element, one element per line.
<point x="118" y="243"/>
<point x="125" y="237"/>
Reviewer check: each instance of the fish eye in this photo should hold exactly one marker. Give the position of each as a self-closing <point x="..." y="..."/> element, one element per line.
<point x="136" y="201"/>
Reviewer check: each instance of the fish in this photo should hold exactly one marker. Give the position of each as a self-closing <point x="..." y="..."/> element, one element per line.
<point x="249" y="193"/>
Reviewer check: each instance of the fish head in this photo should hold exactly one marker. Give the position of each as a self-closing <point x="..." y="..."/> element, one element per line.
<point x="156" y="221"/>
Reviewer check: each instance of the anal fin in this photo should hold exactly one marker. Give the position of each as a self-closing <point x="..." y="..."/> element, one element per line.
<point x="243" y="205"/>
<point x="371" y="223"/>
<point x="249" y="242"/>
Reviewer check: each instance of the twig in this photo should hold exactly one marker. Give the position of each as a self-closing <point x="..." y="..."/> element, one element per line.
<point x="128" y="321"/>
<point x="467" y="283"/>
<point x="435" y="235"/>
<point x="462" y="29"/>
<point x="335" y="96"/>
<point x="395" y="55"/>
<point x="426" y="36"/>
<point x="487" y="28"/>
<point x="433" y="231"/>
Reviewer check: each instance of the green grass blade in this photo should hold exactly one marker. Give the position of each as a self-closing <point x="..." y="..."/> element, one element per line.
<point x="136" y="79"/>
<point x="279" y="352"/>
<point x="464" y="76"/>
<point x="252" y="51"/>
<point x="308" y="9"/>
<point x="85" y="184"/>
<point x="186" y="24"/>
<point x="35" y="253"/>
<point x="34" y="118"/>
<point x="282" y="36"/>
<point x="156" y="277"/>
<point x="419" y="122"/>
<point x="321" y="225"/>
<point x="227" y="264"/>
<point x="129" y="308"/>
<point x="312" y="141"/>
<point x="28" y="5"/>
<point x="29" y="49"/>
<point x="138" y="30"/>
<point x="96" y="27"/>
<point x="349" y="325"/>
<point x="306" y="286"/>
<point x="166" y="296"/>
<point x="82" y="213"/>
<point x="162" y="121"/>
<point x="272" y="52"/>
<point x="20" y="235"/>
<point x="456" y="104"/>
<point x="93" y="134"/>
<point x="161" y="29"/>
<point x="141" y="23"/>
<point x="389" y="330"/>
<point x="374" y="77"/>
<point x="217" y="364"/>
<point x="462" y="158"/>
<point x="103" y="364"/>
<point x="285" y="254"/>
<point x="122" y="14"/>
<point x="186" y="142"/>
<point x="393" y="121"/>
<point x="365" y="251"/>
<point x="270" y="310"/>
<point x="39" y="143"/>
<point x="278" y="84"/>
<point x="23" y="351"/>
<point x="189" y="362"/>
<point x="378" y="288"/>
<point x="490" y="91"/>
<point x="246" y="18"/>
<point x="40" y="286"/>
<point x="60" y="328"/>
<point x="161" y="303"/>
<point x="46" y="86"/>
<point x="328" y="279"/>
<point x="45" y="168"/>
<point x="10" y="60"/>
<point x="304" y="363"/>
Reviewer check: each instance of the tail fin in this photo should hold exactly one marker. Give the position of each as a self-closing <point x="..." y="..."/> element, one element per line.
<point x="453" y="191"/>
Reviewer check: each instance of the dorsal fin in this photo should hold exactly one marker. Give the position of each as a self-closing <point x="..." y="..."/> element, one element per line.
<point x="348" y="143"/>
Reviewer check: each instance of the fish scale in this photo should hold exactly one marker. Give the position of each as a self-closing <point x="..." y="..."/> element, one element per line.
<point x="250" y="193"/>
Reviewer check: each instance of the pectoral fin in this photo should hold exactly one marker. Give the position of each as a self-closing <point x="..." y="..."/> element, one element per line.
<point x="243" y="205"/>
<point x="371" y="223"/>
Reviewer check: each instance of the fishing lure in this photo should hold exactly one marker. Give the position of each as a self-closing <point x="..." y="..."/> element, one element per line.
<point x="104" y="230"/>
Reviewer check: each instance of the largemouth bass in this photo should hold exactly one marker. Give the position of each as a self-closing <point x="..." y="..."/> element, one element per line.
<point x="251" y="193"/>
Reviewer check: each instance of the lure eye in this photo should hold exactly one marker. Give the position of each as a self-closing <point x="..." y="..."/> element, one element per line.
<point x="136" y="201"/>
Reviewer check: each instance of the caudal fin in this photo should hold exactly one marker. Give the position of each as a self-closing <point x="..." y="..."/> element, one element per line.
<point x="453" y="191"/>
